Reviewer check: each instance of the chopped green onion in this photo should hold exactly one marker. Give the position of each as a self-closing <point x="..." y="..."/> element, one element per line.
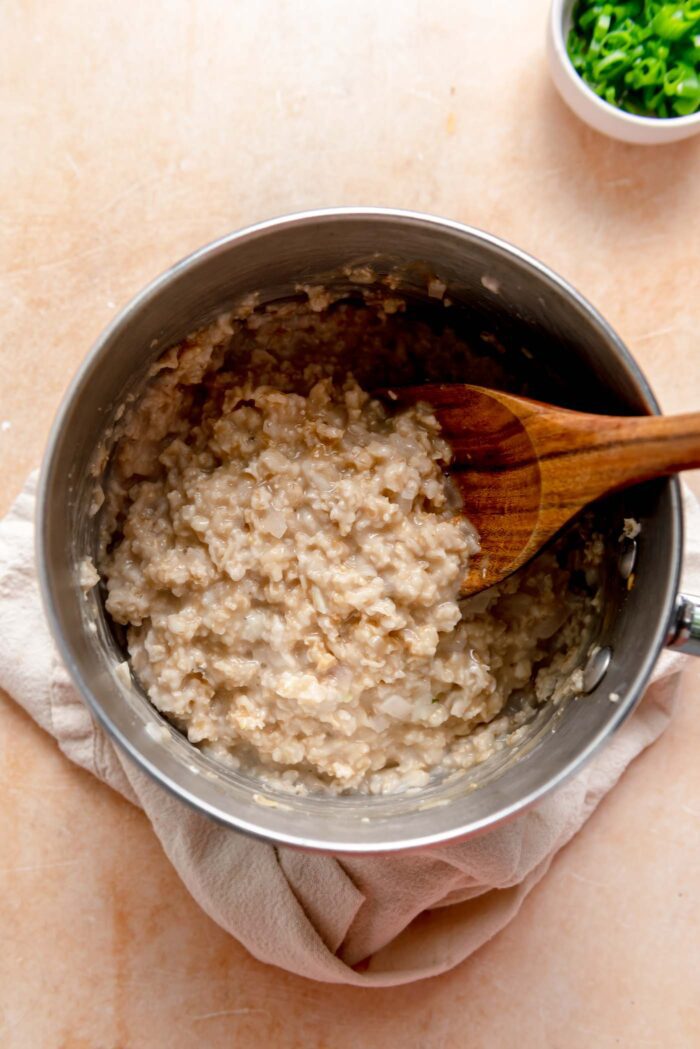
<point x="617" y="41"/>
<point x="646" y="73"/>
<point x="691" y="53"/>
<point x="681" y="80"/>
<point x="670" y="22"/>
<point x="611" y="66"/>
<point x="642" y="56"/>
<point x="684" y="107"/>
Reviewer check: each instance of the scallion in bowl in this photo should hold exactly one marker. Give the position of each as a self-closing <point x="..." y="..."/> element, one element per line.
<point x="642" y="56"/>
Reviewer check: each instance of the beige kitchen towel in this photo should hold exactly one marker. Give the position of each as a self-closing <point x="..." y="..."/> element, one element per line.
<point x="371" y="921"/>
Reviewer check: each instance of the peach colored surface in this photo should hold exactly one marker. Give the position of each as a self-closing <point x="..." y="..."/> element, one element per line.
<point x="132" y="133"/>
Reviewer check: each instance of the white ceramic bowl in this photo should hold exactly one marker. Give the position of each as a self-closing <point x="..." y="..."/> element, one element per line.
<point x="646" y="131"/>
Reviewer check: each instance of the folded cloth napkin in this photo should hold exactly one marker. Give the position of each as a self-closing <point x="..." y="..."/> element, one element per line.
<point x="357" y="920"/>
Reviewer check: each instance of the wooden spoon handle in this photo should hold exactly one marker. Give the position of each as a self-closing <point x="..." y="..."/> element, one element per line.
<point x="606" y="453"/>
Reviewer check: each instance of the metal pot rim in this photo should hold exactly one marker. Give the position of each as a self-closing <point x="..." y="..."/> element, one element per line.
<point x="50" y="598"/>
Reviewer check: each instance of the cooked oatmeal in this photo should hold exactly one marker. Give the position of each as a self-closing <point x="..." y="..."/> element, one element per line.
<point x="286" y="555"/>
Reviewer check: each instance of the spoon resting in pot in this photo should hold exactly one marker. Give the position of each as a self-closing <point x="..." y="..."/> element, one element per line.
<point x="524" y="468"/>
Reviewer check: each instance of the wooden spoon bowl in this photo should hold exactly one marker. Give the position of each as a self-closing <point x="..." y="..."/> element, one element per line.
<point x="524" y="469"/>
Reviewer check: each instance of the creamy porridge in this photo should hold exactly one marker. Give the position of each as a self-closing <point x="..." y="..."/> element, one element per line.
<point x="286" y="556"/>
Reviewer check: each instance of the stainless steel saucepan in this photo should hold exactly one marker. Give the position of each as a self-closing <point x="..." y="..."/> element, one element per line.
<point x="540" y="323"/>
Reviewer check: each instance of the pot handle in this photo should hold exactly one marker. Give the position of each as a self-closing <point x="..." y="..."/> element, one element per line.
<point x="685" y="627"/>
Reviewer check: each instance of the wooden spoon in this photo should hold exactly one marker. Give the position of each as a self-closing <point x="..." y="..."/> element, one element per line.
<point x="524" y="468"/>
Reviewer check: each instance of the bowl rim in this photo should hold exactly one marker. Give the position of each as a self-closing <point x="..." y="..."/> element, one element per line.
<point x="558" y="13"/>
<point x="216" y="811"/>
